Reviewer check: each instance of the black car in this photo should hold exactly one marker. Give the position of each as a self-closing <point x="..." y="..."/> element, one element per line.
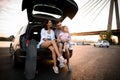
<point x="38" y="11"/>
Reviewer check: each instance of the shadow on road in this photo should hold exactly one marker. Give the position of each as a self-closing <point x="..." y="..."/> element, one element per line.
<point x="8" y="72"/>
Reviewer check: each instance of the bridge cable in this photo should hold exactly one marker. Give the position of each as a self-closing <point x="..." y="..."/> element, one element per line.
<point x="101" y="10"/>
<point x="91" y="5"/>
<point x="99" y="7"/>
<point x="90" y="10"/>
<point x="85" y="4"/>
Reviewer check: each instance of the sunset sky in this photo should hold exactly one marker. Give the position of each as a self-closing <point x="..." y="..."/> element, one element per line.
<point x="12" y="18"/>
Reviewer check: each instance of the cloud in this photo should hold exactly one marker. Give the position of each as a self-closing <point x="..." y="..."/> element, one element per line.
<point x="11" y="17"/>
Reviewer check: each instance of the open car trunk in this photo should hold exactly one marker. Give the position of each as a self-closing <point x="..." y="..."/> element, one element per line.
<point x="61" y="8"/>
<point x="34" y="32"/>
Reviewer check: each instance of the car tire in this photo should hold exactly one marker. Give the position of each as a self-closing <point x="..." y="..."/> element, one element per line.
<point x="101" y="46"/>
<point x="11" y="51"/>
<point x="30" y="62"/>
<point x="15" y="63"/>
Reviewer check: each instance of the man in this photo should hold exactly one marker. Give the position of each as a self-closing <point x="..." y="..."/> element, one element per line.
<point x="57" y="32"/>
<point x="58" y="29"/>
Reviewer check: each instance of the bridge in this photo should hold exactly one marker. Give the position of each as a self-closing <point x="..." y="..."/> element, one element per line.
<point x="114" y="32"/>
<point x="113" y="3"/>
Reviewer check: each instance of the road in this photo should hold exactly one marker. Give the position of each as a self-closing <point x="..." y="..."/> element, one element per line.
<point x="88" y="63"/>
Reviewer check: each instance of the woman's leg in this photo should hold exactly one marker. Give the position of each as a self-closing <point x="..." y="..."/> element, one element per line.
<point x="46" y="44"/>
<point x="55" y="68"/>
<point x="56" y="48"/>
<point x="53" y="55"/>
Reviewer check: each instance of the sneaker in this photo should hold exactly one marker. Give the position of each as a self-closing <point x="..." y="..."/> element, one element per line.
<point x="69" y="68"/>
<point x="55" y="68"/>
<point x="61" y="59"/>
<point x="61" y="65"/>
<point x="38" y="46"/>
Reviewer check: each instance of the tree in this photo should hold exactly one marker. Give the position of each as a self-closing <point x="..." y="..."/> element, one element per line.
<point x="103" y="36"/>
<point x="11" y="37"/>
<point x="106" y="36"/>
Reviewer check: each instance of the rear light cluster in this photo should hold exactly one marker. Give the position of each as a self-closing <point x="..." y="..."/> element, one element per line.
<point x="27" y="41"/>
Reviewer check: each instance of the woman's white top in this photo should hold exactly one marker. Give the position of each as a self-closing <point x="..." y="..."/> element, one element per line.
<point x="44" y="34"/>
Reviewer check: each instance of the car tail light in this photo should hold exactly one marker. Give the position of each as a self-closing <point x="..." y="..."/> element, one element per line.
<point x="27" y="41"/>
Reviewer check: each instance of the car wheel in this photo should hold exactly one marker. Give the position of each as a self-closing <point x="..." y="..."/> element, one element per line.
<point x="101" y="45"/>
<point x="30" y="62"/>
<point x="15" y="63"/>
<point x="11" y="51"/>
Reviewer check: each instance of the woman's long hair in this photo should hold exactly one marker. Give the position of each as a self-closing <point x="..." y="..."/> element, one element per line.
<point x="45" y="24"/>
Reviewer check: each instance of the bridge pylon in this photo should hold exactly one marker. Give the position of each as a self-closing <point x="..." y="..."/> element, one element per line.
<point x="114" y="3"/>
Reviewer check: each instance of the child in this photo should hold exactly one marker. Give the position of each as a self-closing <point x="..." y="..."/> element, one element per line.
<point x="64" y="41"/>
<point x="64" y="38"/>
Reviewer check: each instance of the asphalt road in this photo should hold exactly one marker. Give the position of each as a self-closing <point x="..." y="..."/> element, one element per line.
<point x="88" y="63"/>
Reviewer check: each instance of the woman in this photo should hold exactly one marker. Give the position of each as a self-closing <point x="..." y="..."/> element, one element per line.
<point x="48" y="41"/>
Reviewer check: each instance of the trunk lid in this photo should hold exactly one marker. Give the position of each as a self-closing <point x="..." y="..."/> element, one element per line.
<point x="45" y="9"/>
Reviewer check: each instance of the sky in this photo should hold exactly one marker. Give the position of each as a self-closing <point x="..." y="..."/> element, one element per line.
<point x="84" y="21"/>
<point x="12" y="18"/>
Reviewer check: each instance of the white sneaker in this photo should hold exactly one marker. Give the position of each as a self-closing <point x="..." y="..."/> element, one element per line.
<point x="61" y="59"/>
<point x="55" y="68"/>
<point x="70" y="48"/>
<point x="61" y="65"/>
<point x="38" y="45"/>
